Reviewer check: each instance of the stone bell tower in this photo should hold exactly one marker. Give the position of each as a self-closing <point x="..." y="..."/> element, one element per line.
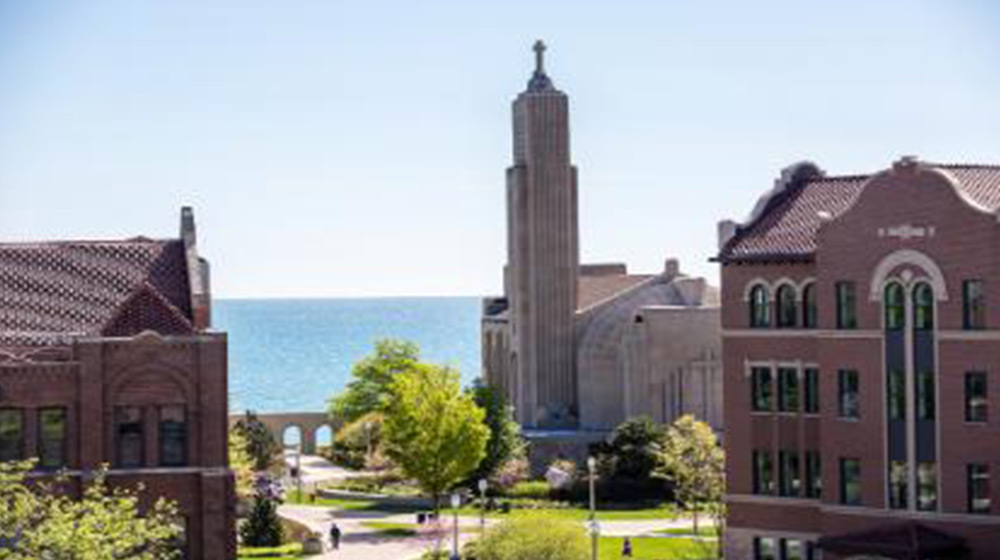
<point x="543" y="254"/>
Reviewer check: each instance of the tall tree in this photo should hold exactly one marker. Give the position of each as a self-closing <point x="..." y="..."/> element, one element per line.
<point x="372" y="376"/>
<point x="633" y="450"/>
<point x="40" y="521"/>
<point x="260" y="444"/>
<point x="505" y="442"/>
<point x="241" y="463"/>
<point x="694" y="462"/>
<point x="433" y="431"/>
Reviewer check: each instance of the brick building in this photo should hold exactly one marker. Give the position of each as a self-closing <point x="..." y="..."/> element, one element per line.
<point x="861" y="322"/>
<point x="106" y="357"/>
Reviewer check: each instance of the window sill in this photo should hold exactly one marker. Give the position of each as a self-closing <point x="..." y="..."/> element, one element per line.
<point x="852" y="419"/>
<point x="976" y="424"/>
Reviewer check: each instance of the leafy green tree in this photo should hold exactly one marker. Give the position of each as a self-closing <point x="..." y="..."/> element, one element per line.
<point x="633" y="450"/>
<point x="373" y="375"/>
<point x="534" y="537"/>
<point x="505" y="442"/>
<point x="357" y="441"/>
<point x="241" y="463"/>
<point x="40" y="521"/>
<point x="694" y="462"/>
<point x="433" y="431"/>
<point x="263" y="449"/>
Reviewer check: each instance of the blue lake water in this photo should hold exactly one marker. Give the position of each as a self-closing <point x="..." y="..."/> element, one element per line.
<point x="293" y="354"/>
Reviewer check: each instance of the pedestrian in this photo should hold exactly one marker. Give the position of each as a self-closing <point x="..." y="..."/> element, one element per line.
<point x="627" y="548"/>
<point x="335" y="536"/>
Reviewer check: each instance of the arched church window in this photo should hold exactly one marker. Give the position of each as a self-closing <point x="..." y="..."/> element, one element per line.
<point x="895" y="309"/>
<point x="760" y="316"/>
<point x="923" y="307"/>
<point x="809" y="317"/>
<point x="787" y="308"/>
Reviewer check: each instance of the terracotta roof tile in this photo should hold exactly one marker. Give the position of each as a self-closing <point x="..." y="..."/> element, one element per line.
<point x="54" y="290"/>
<point x="787" y="227"/>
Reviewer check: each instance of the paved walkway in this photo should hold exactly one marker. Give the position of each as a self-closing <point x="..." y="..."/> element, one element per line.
<point x="364" y="543"/>
<point x="359" y="542"/>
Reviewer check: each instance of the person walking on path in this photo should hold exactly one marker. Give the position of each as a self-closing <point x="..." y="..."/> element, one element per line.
<point x="335" y="536"/>
<point x="627" y="548"/>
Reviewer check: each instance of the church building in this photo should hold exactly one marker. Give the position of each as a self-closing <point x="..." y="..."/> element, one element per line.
<point x="579" y="348"/>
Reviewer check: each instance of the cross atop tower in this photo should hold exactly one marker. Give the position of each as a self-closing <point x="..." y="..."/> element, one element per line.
<point x="539" y="82"/>
<point x="539" y="49"/>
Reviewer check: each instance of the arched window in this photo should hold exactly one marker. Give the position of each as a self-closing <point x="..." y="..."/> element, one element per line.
<point x="923" y="307"/>
<point x="787" y="312"/>
<point x="809" y="317"/>
<point x="760" y="316"/>
<point x="895" y="309"/>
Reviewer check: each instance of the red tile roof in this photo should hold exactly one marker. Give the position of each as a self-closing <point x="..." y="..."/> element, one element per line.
<point x="54" y="290"/>
<point x="786" y="229"/>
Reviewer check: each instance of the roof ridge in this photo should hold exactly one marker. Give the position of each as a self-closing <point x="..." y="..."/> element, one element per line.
<point x="965" y="165"/>
<point x="146" y="287"/>
<point x="68" y="242"/>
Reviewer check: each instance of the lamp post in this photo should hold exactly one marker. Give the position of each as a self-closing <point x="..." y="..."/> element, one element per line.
<point x="594" y="528"/>
<point x="456" y="502"/>
<point x="482" y="505"/>
<point x="298" y="469"/>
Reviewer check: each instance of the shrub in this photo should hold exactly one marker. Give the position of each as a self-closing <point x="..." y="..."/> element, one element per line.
<point x="351" y="445"/>
<point x="263" y="527"/>
<point x="510" y="473"/>
<point x="534" y="537"/>
<point x="533" y="490"/>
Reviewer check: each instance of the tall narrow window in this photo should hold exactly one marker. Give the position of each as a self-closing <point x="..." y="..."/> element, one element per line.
<point x="789" y="483"/>
<point x="814" y="475"/>
<point x="793" y="549"/>
<point x="811" y="390"/>
<point x="850" y="482"/>
<point x="897" y="394"/>
<point x="898" y="485"/>
<point x="973" y="305"/>
<point x="763" y="472"/>
<point x="11" y="435"/>
<point x="760" y="378"/>
<point x="130" y="436"/>
<point x="926" y="486"/>
<point x="52" y="438"/>
<point x="173" y="436"/>
<point x="846" y="305"/>
<point x="978" y="482"/>
<point x="809" y="316"/>
<point x="787" y="307"/>
<point x="895" y="307"/>
<point x="848" y="390"/>
<point x="976" y="403"/>
<point x="765" y="548"/>
<point x="925" y="395"/>
<point x="788" y="390"/>
<point x="760" y="307"/>
<point x="923" y="307"/>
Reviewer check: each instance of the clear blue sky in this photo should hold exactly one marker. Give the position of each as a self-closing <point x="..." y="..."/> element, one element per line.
<point x="338" y="148"/>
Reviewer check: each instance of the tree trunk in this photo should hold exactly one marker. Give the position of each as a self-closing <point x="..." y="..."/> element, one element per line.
<point x="694" y="511"/>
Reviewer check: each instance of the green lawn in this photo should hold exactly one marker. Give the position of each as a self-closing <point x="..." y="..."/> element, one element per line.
<point x="580" y="514"/>
<point x="285" y="552"/>
<point x="667" y="511"/>
<point x="704" y="530"/>
<point x="386" y="529"/>
<point x="653" y="548"/>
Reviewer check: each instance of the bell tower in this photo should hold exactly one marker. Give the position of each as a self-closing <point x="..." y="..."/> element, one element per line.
<point x="543" y="254"/>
